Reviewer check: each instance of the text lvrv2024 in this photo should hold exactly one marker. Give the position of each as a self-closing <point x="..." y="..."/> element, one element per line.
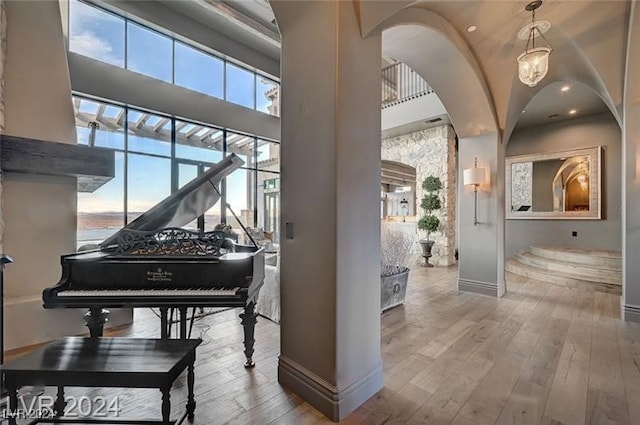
<point x="82" y="406"/>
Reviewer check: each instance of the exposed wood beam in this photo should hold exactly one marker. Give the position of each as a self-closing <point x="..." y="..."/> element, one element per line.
<point x="143" y="119"/>
<point x="243" y="143"/>
<point x="242" y="20"/>
<point x="207" y="133"/>
<point x="160" y="124"/>
<point x="84" y="119"/>
<point x="100" y="113"/>
<point x="194" y="130"/>
<point x="120" y="117"/>
<point x="399" y="175"/>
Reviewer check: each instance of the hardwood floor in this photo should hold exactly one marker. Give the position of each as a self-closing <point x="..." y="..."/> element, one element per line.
<point x="543" y="354"/>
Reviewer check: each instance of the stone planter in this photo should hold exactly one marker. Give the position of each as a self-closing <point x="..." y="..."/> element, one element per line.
<point x="393" y="289"/>
<point x="426" y="252"/>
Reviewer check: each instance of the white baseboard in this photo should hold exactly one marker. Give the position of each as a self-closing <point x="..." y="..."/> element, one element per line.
<point x="631" y="313"/>
<point x="478" y="287"/>
<point x="334" y="403"/>
<point x="27" y="323"/>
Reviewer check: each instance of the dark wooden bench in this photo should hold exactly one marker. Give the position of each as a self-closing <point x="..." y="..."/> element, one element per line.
<point x="104" y="362"/>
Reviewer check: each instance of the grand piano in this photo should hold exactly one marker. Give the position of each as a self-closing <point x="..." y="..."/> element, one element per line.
<point x="153" y="262"/>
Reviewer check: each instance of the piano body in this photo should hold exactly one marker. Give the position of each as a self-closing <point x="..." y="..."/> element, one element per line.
<point x="152" y="262"/>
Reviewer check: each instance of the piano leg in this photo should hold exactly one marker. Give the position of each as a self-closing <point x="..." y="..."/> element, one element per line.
<point x="191" y="402"/>
<point x="60" y="403"/>
<point x="96" y="318"/>
<point x="164" y="326"/>
<point x="249" y="323"/>
<point x="13" y="404"/>
<point x="183" y="322"/>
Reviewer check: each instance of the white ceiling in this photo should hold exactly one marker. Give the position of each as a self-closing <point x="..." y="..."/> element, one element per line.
<point x="250" y="22"/>
<point x="552" y="104"/>
<point x="594" y="30"/>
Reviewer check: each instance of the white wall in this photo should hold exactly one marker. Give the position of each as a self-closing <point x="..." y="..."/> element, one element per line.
<point x="419" y="109"/>
<point x="99" y="79"/>
<point x="39" y="210"/>
<point x="601" y="130"/>
<point x="3" y="54"/>
<point x="481" y="245"/>
<point x="631" y="182"/>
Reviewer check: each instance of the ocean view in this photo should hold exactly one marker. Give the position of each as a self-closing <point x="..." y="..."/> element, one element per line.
<point x="93" y="228"/>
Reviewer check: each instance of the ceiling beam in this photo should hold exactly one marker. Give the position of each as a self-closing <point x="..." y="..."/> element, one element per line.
<point x="100" y="113"/>
<point x="207" y="133"/>
<point x="120" y="118"/>
<point x="160" y="124"/>
<point x="242" y="20"/>
<point x="193" y="131"/>
<point x="143" y="119"/>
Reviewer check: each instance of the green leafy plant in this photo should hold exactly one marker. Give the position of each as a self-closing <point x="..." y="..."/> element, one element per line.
<point x="430" y="203"/>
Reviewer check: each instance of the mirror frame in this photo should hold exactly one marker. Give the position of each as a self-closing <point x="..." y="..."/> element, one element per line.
<point x="595" y="183"/>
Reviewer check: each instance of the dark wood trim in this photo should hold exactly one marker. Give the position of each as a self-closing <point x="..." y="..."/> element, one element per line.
<point x="92" y="166"/>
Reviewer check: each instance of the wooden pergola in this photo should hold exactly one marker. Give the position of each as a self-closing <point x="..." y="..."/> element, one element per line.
<point x="151" y="126"/>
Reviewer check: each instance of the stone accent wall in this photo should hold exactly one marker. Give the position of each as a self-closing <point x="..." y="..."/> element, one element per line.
<point x="432" y="153"/>
<point x="3" y="53"/>
<point x="521" y="184"/>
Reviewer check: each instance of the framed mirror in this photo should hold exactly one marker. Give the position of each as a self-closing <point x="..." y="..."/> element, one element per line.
<point x="558" y="185"/>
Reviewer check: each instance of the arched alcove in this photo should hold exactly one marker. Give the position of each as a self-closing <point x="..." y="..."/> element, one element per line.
<point x="546" y="126"/>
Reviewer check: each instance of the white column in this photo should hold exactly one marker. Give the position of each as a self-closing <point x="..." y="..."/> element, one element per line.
<point x="330" y="153"/>
<point x="631" y="176"/>
<point x="3" y="55"/>
<point x="481" y="246"/>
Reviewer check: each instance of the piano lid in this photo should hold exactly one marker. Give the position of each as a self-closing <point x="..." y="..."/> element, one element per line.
<point x="188" y="203"/>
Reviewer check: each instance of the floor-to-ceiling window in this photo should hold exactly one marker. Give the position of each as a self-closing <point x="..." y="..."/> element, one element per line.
<point x="156" y="155"/>
<point x="121" y="41"/>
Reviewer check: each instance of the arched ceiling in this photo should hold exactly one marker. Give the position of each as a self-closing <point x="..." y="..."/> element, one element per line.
<point x="467" y="102"/>
<point x="556" y="101"/>
<point x="588" y="37"/>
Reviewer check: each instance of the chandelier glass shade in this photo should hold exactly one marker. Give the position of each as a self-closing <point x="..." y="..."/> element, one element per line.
<point x="533" y="65"/>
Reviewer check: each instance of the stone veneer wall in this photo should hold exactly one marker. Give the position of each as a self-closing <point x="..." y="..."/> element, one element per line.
<point x="3" y="53"/>
<point x="521" y="184"/>
<point x="431" y="152"/>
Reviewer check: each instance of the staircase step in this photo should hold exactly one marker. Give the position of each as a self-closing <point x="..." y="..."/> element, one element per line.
<point x="611" y="260"/>
<point x="596" y="273"/>
<point x="558" y="278"/>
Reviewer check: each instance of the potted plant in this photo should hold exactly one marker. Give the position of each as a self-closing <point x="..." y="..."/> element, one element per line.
<point x="395" y="253"/>
<point x="429" y="222"/>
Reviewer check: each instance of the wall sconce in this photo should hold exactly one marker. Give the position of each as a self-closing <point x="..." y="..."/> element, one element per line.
<point x="475" y="176"/>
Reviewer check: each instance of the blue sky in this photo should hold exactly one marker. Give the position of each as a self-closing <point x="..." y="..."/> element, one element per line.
<point x="100" y="35"/>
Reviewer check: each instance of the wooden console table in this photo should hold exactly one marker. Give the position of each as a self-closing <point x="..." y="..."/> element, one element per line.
<point x="104" y="362"/>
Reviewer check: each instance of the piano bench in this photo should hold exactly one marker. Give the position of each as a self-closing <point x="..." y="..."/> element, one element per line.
<point x="103" y="362"/>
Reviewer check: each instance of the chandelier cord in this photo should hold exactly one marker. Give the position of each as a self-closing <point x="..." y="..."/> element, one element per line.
<point x="532" y="36"/>
<point x="533" y="28"/>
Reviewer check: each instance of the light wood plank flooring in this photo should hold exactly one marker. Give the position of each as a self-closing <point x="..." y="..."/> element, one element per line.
<point x="543" y="354"/>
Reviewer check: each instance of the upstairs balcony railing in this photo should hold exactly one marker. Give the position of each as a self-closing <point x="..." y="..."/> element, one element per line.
<point x="400" y="83"/>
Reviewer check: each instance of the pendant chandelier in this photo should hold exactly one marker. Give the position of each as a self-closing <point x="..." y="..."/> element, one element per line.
<point x="533" y="64"/>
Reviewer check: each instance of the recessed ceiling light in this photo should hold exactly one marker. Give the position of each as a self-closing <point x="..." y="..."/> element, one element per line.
<point x="523" y="111"/>
<point x="573" y="111"/>
<point x="565" y="88"/>
<point x="471" y="28"/>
